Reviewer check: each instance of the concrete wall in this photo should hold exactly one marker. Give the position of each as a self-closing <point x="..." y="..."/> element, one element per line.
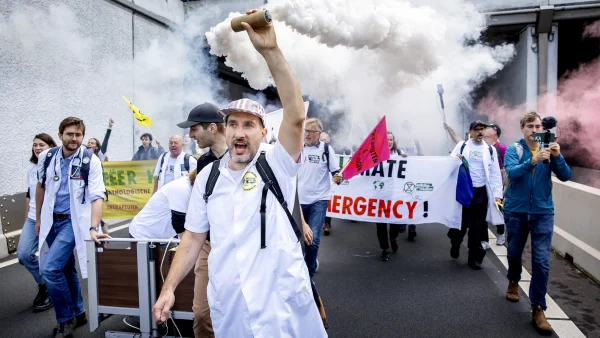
<point x="576" y="231"/>
<point x="69" y="58"/>
<point x="66" y="58"/>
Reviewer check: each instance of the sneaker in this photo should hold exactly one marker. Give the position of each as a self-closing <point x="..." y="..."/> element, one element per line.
<point x="485" y="245"/>
<point x="394" y="244"/>
<point x="65" y="330"/>
<point x="402" y="228"/>
<point x="501" y="240"/>
<point x="455" y="251"/>
<point x="411" y="235"/>
<point x="385" y="256"/>
<point x="42" y="301"/>
<point x="475" y="265"/>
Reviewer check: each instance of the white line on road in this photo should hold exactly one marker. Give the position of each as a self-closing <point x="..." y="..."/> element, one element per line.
<point x="14" y="261"/>
<point x="563" y="327"/>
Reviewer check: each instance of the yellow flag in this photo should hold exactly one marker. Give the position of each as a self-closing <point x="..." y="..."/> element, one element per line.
<point x="142" y="119"/>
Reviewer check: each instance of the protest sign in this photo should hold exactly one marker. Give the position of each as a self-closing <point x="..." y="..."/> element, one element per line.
<point x="401" y="190"/>
<point x="129" y="186"/>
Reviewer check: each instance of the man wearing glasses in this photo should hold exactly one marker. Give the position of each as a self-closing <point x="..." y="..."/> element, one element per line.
<point x="314" y="185"/>
<point x="69" y="210"/>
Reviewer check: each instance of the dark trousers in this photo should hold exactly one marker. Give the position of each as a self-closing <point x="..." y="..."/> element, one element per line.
<point x="382" y="234"/>
<point x="473" y="219"/>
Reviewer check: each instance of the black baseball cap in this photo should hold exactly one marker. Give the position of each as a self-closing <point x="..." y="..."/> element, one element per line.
<point x="477" y="123"/>
<point x="204" y="113"/>
<point x="496" y="128"/>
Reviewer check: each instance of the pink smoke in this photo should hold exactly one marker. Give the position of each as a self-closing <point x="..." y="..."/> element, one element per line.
<point x="577" y="110"/>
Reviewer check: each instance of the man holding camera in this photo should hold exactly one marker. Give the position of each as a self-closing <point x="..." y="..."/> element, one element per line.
<point x="528" y="208"/>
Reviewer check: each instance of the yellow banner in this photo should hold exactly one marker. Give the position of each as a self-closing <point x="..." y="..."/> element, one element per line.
<point x="129" y="186"/>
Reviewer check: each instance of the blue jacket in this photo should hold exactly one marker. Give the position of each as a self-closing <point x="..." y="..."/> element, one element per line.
<point x="530" y="187"/>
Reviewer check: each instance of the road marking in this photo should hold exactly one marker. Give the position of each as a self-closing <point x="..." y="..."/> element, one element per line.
<point x="562" y="326"/>
<point x="16" y="260"/>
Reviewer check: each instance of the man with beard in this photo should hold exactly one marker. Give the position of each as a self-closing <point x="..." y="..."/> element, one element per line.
<point x="69" y="195"/>
<point x="487" y="191"/>
<point x="208" y="130"/>
<point x="258" y="282"/>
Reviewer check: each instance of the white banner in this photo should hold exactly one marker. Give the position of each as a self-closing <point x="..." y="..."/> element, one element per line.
<point x="403" y="190"/>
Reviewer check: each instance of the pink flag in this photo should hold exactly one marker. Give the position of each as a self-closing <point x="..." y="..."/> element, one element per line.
<point x="372" y="151"/>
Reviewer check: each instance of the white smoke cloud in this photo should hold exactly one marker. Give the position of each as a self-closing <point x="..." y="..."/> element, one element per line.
<point x="381" y="57"/>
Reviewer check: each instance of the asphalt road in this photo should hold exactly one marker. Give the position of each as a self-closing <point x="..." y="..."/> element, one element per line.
<point x="420" y="292"/>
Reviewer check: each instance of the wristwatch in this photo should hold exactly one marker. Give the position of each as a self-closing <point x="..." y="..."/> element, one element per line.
<point x="97" y="229"/>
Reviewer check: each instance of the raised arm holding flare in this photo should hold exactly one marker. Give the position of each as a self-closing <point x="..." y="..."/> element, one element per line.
<point x="231" y="208"/>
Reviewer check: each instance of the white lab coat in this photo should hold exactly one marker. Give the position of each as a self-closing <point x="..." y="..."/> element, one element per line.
<point x="81" y="214"/>
<point x="254" y="292"/>
<point x="493" y="182"/>
<point x="179" y="170"/>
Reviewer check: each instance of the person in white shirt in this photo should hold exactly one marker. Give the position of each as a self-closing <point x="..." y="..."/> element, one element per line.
<point x="253" y="290"/>
<point x="164" y="214"/>
<point x="28" y="241"/>
<point x="487" y="191"/>
<point x="176" y="165"/>
<point x="314" y="185"/>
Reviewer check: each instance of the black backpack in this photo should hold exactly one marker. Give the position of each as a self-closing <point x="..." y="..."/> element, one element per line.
<point x="85" y="167"/>
<point x="325" y="157"/>
<point x="186" y="162"/>
<point x="267" y="175"/>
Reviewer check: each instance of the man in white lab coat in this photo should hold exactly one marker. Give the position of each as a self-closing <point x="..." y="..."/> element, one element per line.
<point x="173" y="164"/>
<point x="487" y="191"/>
<point x="253" y="291"/>
<point x="69" y="208"/>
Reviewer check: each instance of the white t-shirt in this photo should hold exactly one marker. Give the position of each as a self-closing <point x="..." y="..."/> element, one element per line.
<point x="170" y="170"/>
<point x="314" y="178"/>
<point x="154" y="220"/>
<point x="476" y="167"/>
<point x="32" y="180"/>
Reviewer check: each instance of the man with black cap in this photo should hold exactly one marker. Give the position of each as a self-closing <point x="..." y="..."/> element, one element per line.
<point x="484" y="172"/>
<point x="208" y="130"/>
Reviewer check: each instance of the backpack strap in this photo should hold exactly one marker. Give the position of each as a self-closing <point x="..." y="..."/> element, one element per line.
<point x="463" y="147"/>
<point x="212" y="180"/>
<point x="491" y="151"/>
<point x="162" y="160"/>
<point x="519" y="149"/>
<point x="85" y="170"/>
<point x="186" y="162"/>
<point x="268" y="177"/>
<point x="325" y="152"/>
<point x="51" y="153"/>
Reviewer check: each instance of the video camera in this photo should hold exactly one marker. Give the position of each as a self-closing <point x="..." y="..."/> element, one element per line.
<point x="547" y="136"/>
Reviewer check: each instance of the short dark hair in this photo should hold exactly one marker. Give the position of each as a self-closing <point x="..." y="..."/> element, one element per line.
<point x="220" y="126"/>
<point x="47" y="139"/>
<point x="71" y="121"/>
<point x="148" y="135"/>
<point x="530" y="117"/>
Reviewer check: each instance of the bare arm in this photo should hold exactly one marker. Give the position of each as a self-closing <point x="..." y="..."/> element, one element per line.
<point x="290" y="131"/>
<point x="155" y="186"/>
<point x="187" y="254"/>
<point x="39" y="200"/>
<point x="452" y="133"/>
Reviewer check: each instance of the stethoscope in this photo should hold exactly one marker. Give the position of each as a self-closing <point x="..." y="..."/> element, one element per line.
<point x="76" y="162"/>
